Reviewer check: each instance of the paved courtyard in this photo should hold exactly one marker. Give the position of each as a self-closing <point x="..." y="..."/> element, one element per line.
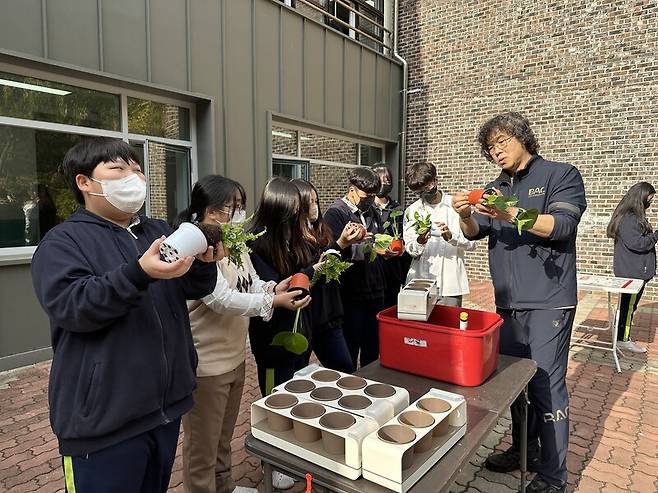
<point x="614" y="421"/>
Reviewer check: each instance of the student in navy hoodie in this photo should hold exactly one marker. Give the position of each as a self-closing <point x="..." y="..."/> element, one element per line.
<point x="123" y="357"/>
<point x="635" y="254"/>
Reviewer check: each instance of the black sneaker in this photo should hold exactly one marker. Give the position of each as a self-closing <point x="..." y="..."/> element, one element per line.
<point x="538" y="485"/>
<point x="510" y="460"/>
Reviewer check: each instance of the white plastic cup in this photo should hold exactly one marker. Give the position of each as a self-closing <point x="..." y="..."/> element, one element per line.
<point x="186" y="241"/>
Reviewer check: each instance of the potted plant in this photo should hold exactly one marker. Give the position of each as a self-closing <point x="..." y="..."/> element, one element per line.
<point x="299" y="282"/>
<point x="477" y="194"/>
<point x="332" y="268"/>
<point x="525" y="218"/>
<point x="396" y="245"/>
<point x="235" y="239"/>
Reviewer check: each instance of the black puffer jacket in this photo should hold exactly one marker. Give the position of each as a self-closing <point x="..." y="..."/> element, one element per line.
<point x="635" y="251"/>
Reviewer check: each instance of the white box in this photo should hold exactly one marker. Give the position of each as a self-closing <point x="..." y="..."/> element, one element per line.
<point x="416" y="299"/>
<point x="382" y="461"/>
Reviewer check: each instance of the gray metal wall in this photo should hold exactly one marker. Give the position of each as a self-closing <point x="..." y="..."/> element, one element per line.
<point x="248" y="56"/>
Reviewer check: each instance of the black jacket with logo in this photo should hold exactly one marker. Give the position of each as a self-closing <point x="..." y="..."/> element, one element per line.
<point x="528" y="271"/>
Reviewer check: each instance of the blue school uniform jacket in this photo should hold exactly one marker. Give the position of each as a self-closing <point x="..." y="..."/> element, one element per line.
<point x="123" y="356"/>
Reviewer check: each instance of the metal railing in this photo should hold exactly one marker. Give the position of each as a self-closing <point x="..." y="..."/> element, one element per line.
<point x="363" y="14"/>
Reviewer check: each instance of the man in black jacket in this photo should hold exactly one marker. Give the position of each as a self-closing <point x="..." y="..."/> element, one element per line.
<point x="123" y="357"/>
<point x="534" y="278"/>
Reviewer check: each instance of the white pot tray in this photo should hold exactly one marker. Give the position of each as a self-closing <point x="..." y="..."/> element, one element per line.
<point x="315" y="432"/>
<point x="347" y="393"/>
<point x="400" y="452"/>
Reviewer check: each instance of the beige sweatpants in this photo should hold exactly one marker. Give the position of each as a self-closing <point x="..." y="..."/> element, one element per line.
<point x="208" y="431"/>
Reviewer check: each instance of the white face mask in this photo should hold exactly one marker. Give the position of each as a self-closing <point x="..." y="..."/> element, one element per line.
<point x="314" y="213"/>
<point x="238" y="216"/>
<point x="126" y="194"/>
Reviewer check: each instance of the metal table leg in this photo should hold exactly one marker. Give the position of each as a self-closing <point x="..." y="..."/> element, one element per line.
<point x="267" y="477"/>
<point x="613" y="316"/>
<point x="524" y="440"/>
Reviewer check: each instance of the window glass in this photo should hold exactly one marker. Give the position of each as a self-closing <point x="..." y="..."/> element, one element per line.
<point x="37" y="99"/>
<point x="284" y="141"/>
<point x="158" y="119"/>
<point x="33" y="195"/>
<point x="168" y="172"/>
<point x="370" y="155"/>
<point x="325" y="148"/>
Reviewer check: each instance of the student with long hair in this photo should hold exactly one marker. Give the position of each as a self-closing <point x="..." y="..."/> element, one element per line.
<point x="219" y="329"/>
<point x="635" y="254"/>
<point x="328" y="341"/>
<point x="279" y="253"/>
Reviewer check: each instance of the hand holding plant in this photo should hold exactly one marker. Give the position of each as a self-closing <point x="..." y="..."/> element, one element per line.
<point x="422" y="224"/>
<point x="524" y="218"/>
<point x="331" y="268"/>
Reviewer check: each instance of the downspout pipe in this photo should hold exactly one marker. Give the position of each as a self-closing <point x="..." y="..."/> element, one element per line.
<point x="402" y="159"/>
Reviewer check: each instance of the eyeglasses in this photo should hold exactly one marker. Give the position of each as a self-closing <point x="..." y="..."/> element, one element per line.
<point x="501" y="144"/>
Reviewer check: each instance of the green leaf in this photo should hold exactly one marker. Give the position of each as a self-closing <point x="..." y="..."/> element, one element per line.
<point x="235" y="239"/>
<point x="526" y="219"/>
<point x="386" y="224"/>
<point x="500" y="202"/>
<point x="422" y="224"/>
<point x="331" y="269"/>
<point x="292" y="341"/>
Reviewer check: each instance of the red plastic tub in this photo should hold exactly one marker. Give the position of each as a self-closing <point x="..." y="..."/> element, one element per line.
<point x="437" y="348"/>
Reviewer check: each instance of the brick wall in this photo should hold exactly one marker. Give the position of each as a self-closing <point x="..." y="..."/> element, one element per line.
<point x="330" y="181"/>
<point x="585" y="74"/>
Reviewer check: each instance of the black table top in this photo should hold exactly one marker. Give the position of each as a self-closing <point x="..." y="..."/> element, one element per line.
<point x="485" y="404"/>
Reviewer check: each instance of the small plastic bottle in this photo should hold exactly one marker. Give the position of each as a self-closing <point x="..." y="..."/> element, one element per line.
<point x="463" y="320"/>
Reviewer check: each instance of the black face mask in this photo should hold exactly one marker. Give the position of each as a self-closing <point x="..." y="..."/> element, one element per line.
<point x="365" y="203"/>
<point x="430" y="195"/>
<point x="384" y="190"/>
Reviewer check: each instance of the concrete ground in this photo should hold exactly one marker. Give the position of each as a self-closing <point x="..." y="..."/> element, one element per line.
<point x="614" y="421"/>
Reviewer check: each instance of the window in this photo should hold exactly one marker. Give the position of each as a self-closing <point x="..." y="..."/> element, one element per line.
<point x="41" y="119"/>
<point x="321" y="147"/>
<point x="290" y="168"/>
<point x="36" y="99"/>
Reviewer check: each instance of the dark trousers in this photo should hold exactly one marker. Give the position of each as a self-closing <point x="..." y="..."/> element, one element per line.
<point x="141" y="464"/>
<point x="542" y="335"/>
<point x="627" y="306"/>
<point x="331" y="349"/>
<point x="361" y="329"/>
<point x="270" y="377"/>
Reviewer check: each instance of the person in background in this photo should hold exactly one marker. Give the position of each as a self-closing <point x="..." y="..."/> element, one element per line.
<point x="123" y="356"/>
<point x="439" y="253"/>
<point x="327" y="308"/>
<point x="534" y="279"/>
<point x="395" y="268"/>
<point x="635" y="254"/>
<point x="219" y="327"/>
<point x="362" y="285"/>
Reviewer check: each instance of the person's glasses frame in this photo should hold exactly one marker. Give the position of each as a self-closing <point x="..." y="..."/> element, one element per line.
<point x="501" y="144"/>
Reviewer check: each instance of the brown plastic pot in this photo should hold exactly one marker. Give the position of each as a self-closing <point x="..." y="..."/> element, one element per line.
<point x="351" y="383"/>
<point x="434" y="405"/>
<point x="300" y="282"/>
<point x="279" y="401"/>
<point x="325" y="376"/>
<point x="418" y="419"/>
<point x="399" y="435"/>
<point x="299" y="386"/>
<point x="326" y="394"/>
<point x="379" y="390"/>
<point x="335" y="444"/>
<point x="475" y="196"/>
<point x="307" y="410"/>
<point x="354" y="402"/>
<point x="397" y="246"/>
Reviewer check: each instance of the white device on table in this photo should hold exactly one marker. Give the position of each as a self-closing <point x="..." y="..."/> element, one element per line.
<point x="416" y="299"/>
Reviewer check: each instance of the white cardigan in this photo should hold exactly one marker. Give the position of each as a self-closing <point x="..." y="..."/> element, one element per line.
<point x="438" y="259"/>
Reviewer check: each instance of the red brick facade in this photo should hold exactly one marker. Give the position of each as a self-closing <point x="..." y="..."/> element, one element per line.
<point x="584" y="73"/>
